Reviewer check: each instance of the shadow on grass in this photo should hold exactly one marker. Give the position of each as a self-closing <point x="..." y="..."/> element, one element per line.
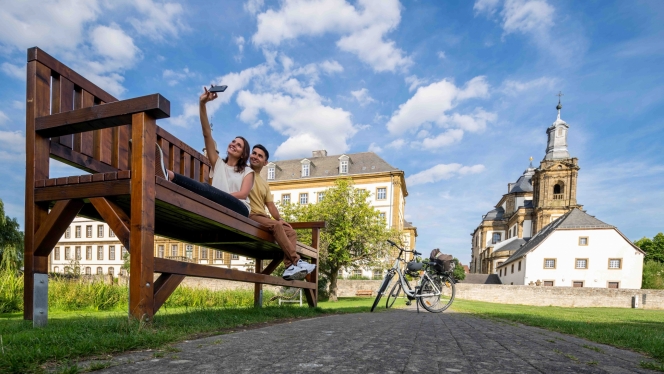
<point x="70" y="336"/>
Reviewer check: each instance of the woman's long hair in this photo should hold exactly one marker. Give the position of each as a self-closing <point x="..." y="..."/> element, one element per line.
<point x="242" y="161"/>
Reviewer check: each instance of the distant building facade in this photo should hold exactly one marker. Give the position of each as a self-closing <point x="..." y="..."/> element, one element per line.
<point x="536" y="199"/>
<point x="305" y="180"/>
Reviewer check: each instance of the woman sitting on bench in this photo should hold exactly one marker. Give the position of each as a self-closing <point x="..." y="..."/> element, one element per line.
<point x="232" y="179"/>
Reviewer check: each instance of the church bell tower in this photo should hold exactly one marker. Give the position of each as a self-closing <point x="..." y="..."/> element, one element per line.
<point x="554" y="182"/>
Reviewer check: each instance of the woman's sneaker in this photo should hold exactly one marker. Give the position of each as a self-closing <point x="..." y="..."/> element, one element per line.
<point x="305" y="265"/>
<point x="159" y="167"/>
<point x="294" y="272"/>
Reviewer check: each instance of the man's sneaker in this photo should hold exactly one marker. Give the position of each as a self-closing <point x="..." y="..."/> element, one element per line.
<point x="159" y="167"/>
<point x="294" y="273"/>
<point x="305" y="265"/>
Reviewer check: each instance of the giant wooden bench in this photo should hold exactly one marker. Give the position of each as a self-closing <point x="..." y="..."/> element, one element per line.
<point x="71" y="120"/>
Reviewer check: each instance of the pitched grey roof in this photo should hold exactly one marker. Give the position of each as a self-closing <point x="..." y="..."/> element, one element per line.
<point x="574" y="219"/>
<point x="528" y="204"/>
<point x="494" y="215"/>
<point x="512" y="245"/>
<point x="524" y="183"/>
<point x="327" y="166"/>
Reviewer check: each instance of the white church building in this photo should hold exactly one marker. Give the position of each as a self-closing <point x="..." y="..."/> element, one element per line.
<point x="575" y="250"/>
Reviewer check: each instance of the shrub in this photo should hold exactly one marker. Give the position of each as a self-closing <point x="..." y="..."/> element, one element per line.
<point x="11" y="292"/>
<point x="653" y="275"/>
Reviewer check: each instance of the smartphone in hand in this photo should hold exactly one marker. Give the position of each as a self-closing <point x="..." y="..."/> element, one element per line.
<point x="217" y="88"/>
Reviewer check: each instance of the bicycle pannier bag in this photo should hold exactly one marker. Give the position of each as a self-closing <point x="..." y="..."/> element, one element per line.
<point x="443" y="262"/>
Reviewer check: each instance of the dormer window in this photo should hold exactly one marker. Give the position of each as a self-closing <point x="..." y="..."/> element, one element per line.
<point x="306" y="166"/>
<point x="343" y="164"/>
<point x="271" y="171"/>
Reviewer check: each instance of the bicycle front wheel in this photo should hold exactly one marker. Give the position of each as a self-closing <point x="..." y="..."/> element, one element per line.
<point x="441" y="288"/>
<point x="392" y="296"/>
<point x="381" y="290"/>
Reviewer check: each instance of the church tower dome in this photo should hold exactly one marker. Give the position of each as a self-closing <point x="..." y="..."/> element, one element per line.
<point x="556" y="147"/>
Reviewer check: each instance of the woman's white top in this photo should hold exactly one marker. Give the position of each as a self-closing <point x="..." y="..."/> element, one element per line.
<point x="225" y="178"/>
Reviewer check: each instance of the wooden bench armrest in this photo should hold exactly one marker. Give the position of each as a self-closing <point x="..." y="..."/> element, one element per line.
<point x="309" y="225"/>
<point x="102" y="116"/>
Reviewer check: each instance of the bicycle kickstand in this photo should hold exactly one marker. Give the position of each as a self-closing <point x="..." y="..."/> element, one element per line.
<point x="418" y="307"/>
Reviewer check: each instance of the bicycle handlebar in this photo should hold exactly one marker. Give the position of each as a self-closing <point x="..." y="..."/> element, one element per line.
<point x="414" y="252"/>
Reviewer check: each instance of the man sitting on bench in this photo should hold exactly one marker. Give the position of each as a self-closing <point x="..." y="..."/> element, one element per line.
<point x="286" y="237"/>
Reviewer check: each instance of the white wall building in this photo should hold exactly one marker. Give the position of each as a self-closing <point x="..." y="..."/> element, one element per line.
<point x="575" y="250"/>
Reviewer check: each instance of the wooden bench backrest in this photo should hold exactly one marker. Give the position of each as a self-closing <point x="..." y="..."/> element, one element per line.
<point x="105" y="150"/>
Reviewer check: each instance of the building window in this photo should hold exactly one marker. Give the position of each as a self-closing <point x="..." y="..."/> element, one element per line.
<point x="381" y="215"/>
<point x="321" y="196"/>
<point x="204" y="253"/>
<point x="77" y="250"/>
<point x="111" y="253"/>
<point x="100" y="231"/>
<point x="88" y="253"/>
<point x="77" y="232"/>
<point x="189" y="251"/>
<point x="88" y="231"/>
<point x="174" y="250"/>
<point x="218" y="255"/>
<point x="548" y="283"/>
<point x="512" y="268"/>
<point x="67" y="269"/>
<point x="615" y="263"/>
<point x="614" y="285"/>
<point x="111" y="270"/>
<point x="160" y="251"/>
<point x="343" y="167"/>
<point x="560" y="131"/>
<point x="235" y="257"/>
<point x="111" y="234"/>
<point x="68" y="233"/>
<point x="56" y="253"/>
<point x="123" y="251"/>
<point x="501" y="272"/>
<point x="304" y="198"/>
<point x="557" y="189"/>
<point x="100" y="252"/>
<point x="270" y="173"/>
<point x="285" y="198"/>
<point x="381" y="193"/>
<point x="495" y="238"/>
<point x="56" y="269"/>
<point x="577" y="284"/>
<point x="550" y="263"/>
<point x="100" y="271"/>
<point x="583" y="240"/>
<point x="377" y="274"/>
<point x="357" y="273"/>
<point x="581" y="263"/>
<point x="519" y="265"/>
<point x="88" y="270"/>
<point x="305" y="170"/>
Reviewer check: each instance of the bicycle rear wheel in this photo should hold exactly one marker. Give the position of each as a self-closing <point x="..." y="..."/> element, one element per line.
<point x="442" y="286"/>
<point x="381" y="290"/>
<point x="392" y="296"/>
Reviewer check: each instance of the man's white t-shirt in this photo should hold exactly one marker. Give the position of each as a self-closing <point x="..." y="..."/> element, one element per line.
<point x="226" y="179"/>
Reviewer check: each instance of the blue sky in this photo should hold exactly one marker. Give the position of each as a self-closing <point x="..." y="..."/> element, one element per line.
<point x="455" y="93"/>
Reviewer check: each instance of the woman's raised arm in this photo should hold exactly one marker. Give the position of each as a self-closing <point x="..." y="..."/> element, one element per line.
<point x="205" y="124"/>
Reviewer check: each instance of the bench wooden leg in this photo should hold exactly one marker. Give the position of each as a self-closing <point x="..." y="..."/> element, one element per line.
<point x="141" y="236"/>
<point x="115" y="217"/>
<point x="258" y="287"/>
<point x="164" y="287"/>
<point x="312" y="294"/>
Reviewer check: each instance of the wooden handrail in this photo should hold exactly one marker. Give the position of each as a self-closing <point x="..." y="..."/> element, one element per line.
<point x="103" y="116"/>
<point x="308" y="225"/>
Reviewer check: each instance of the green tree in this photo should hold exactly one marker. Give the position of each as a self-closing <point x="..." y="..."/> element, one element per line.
<point x="654" y="248"/>
<point x="458" y="272"/>
<point x="355" y="235"/>
<point x="11" y="243"/>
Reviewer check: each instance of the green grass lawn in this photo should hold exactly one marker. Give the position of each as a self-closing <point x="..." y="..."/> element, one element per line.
<point x="636" y="329"/>
<point x="73" y="335"/>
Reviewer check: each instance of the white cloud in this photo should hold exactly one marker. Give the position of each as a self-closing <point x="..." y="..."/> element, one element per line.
<point x="330" y="67"/>
<point x="396" y="144"/>
<point x="254" y="6"/>
<point x="239" y="41"/>
<point x="415" y="82"/>
<point x="527" y="16"/>
<point x="442" y="140"/>
<point x="12" y="146"/>
<point x="513" y="87"/>
<point x="430" y="103"/>
<point x="442" y="171"/>
<point x="485" y="6"/>
<point x="57" y="24"/>
<point x="3" y="118"/>
<point x="362" y="96"/>
<point x="18" y="104"/>
<point x="173" y="77"/>
<point x="373" y="147"/>
<point x="363" y="29"/>
<point x="112" y="43"/>
<point x="14" y="71"/>
<point x="441" y="55"/>
<point x="158" y="19"/>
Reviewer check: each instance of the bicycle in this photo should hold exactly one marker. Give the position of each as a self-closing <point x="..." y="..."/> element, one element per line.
<point x="435" y="292"/>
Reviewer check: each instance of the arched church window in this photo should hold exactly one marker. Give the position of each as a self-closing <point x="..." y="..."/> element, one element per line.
<point x="560" y="131"/>
<point x="557" y="189"/>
